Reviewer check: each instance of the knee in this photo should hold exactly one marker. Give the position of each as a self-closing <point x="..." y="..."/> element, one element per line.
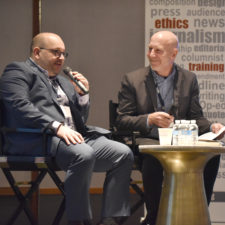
<point x="73" y="156"/>
<point x="126" y="152"/>
<point x="129" y="153"/>
<point x="85" y="156"/>
<point x="82" y="157"/>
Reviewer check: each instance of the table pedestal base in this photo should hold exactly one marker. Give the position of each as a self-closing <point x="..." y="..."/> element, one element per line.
<point x="183" y="200"/>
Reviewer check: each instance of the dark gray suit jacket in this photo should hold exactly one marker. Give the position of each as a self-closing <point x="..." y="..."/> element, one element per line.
<point x="138" y="98"/>
<point x="29" y="102"/>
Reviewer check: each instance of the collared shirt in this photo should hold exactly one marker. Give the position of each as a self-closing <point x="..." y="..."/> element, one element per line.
<point x="165" y="86"/>
<point x="63" y="102"/>
<point x="62" y="98"/>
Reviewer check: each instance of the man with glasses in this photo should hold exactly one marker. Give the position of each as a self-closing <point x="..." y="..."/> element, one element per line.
<point x="34" y="95"/>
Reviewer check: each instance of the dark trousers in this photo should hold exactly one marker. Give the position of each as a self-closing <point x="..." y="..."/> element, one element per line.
<point x="152" y="174"/>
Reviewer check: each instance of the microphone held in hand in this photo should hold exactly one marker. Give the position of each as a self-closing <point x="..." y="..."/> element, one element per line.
<point x="68" y="72"/>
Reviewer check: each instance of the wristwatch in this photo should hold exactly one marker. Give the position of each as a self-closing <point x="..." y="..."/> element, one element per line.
<point x="54" y="126"/>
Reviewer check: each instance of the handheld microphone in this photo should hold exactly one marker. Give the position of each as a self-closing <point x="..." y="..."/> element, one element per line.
<point x="68" y="72"/>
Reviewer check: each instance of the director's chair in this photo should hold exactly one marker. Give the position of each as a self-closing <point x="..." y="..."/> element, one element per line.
<point x="42" y="165"/>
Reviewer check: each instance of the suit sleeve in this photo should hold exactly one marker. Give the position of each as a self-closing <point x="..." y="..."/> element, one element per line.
<point x="81" y="107"/>
<point x="128" y="116"/>
<point x="15" y="90"/>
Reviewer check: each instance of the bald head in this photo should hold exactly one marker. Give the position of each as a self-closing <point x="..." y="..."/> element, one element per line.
<point x="163" y="48"/>
<point x="48" y="51"/>
<point x="167" y="37"/>
<point x="43" y="40"/>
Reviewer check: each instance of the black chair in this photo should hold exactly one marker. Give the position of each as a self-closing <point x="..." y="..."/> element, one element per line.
<point x="42" y="165"/>
<point x="129" y="138"/>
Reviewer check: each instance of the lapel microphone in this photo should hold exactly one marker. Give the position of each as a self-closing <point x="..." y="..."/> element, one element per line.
<point x="68" y="72"/>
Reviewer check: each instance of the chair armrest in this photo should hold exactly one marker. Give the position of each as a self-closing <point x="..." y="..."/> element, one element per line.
<point x="45" y="134"/>
<point x="25" y="130"/>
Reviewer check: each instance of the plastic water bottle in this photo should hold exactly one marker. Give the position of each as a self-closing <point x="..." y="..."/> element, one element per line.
<point x="184" y="134"/>
<point x="181" y="133"/>
<point x="176" y="129"/>
<point x="194" y="132"/>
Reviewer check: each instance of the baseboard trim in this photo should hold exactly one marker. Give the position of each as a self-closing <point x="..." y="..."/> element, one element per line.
<point x="49" y="191"/>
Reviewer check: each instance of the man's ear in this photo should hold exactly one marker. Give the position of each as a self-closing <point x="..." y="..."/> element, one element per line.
<point x="173" y="55"/>
<point x="175" y="51"/>
<point x="36" y="52"/>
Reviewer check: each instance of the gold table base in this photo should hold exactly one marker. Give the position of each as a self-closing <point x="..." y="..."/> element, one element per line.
<point x="183" y="200"/>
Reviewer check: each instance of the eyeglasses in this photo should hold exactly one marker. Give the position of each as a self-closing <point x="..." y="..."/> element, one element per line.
<point x="57" y="53"/>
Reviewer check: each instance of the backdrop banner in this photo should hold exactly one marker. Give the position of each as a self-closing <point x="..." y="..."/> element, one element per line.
<point x="199" y="25"/>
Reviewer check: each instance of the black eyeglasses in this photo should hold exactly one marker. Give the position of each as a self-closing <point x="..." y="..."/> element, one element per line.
<point x="57" y="53"/>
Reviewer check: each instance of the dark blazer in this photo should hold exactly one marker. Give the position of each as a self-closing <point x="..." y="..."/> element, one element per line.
<point x="28" y="101"/>
<point x="138" y="98"/>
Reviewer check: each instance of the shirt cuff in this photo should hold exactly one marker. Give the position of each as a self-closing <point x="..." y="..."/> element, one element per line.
<point x="54" y="126"/>
<point x="83" y="100"/>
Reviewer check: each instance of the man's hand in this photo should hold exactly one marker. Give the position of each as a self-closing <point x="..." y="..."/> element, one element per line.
<point x="69" y="135"/>
<point x="215" y="129"/>
<point x="82" y="79"/>
<point x="160" y="119"/>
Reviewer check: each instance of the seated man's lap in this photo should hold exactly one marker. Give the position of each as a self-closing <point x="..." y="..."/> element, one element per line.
<point x="101" y="151"/>
<point x="110" y="153"/>
<point x="74" y="155"/>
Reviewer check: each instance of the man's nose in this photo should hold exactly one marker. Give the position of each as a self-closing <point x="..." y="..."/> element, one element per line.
<point x="62" y="56"/>
<point x="152" y="52"/>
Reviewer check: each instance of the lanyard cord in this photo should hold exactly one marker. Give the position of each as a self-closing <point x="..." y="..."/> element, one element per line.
<point x="172" y="108"/>
<point x="160" y="97"/>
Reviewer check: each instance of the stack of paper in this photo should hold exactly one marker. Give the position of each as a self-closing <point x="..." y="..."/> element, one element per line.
<point x="210" y="135"/>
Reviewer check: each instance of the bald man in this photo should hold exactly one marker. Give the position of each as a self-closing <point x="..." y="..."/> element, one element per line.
<point x="34" y="95"/>
<point x="154" y="97"/>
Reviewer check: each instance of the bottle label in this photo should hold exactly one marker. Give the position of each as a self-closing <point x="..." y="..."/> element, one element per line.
<point x="185" y="132"/>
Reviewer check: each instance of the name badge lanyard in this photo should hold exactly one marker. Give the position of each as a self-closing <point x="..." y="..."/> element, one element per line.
<point x="172" y="110"/>
<point x="160" y="97"/>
